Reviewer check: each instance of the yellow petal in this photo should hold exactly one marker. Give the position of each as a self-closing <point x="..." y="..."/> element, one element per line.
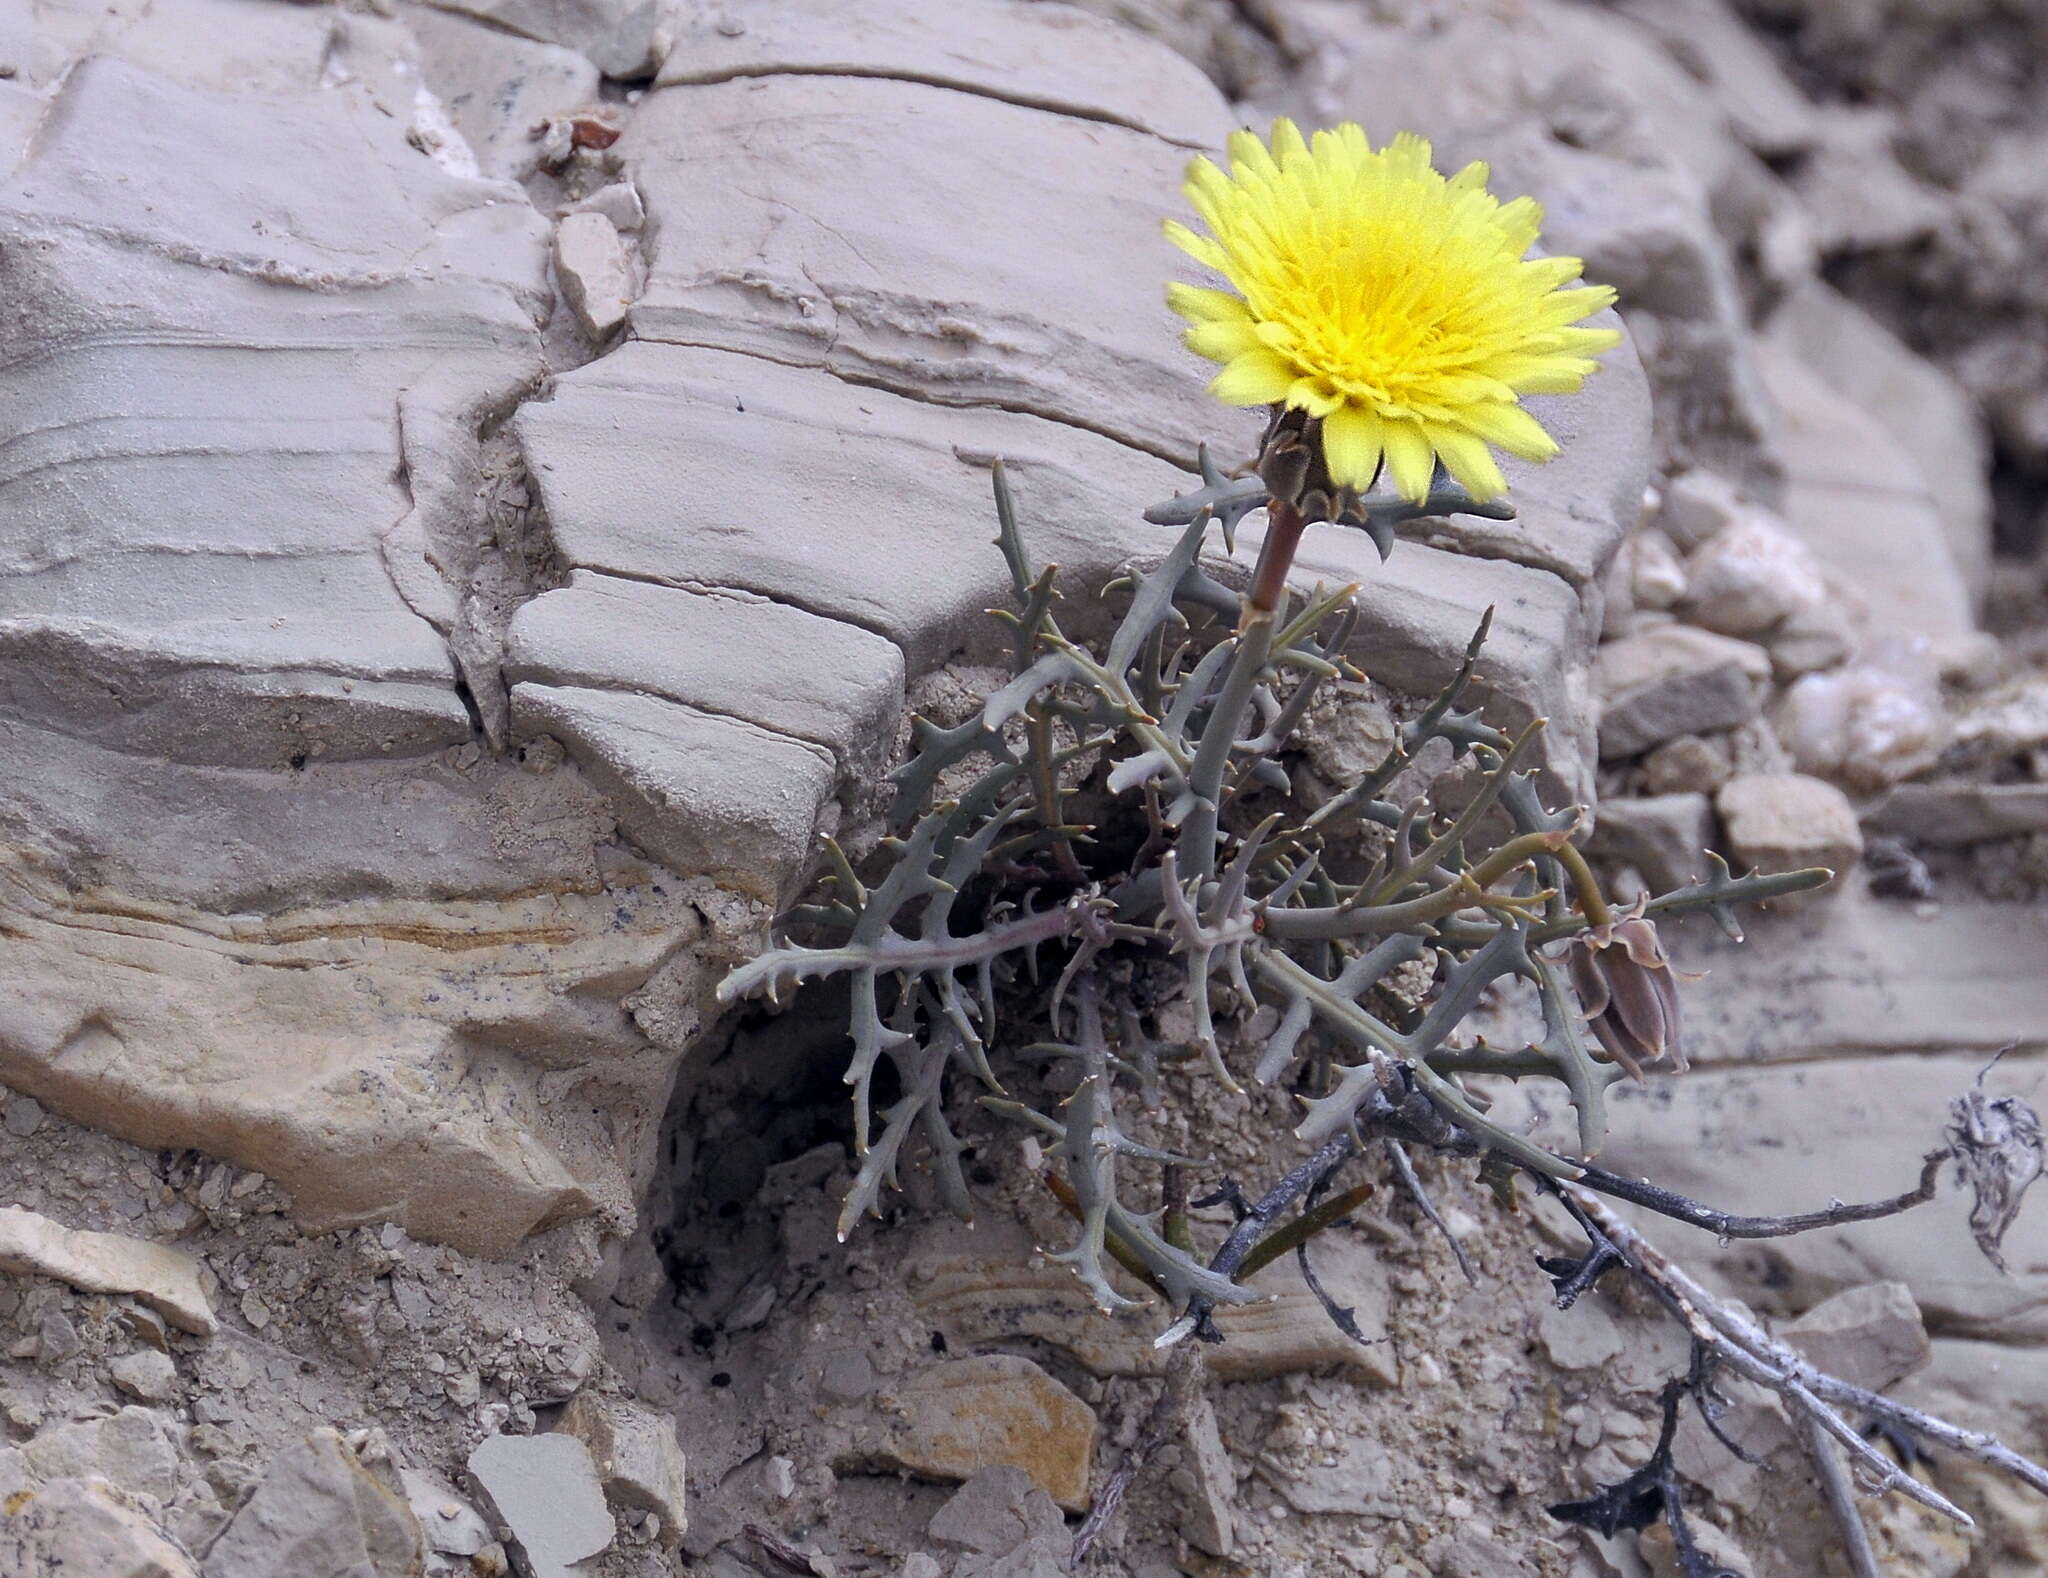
<point x="1198" y="304"/>
<point x="1351" y="446"/>
<point x="1512" y="428"/>
<point x="1465" y="457"/>
<point x="1255" y="378"/>
<point x="1220" y="341"/>
<point x="1410" y="461"/>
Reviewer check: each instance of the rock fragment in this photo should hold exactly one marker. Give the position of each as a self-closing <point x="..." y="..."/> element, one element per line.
<point x="961" y="1417"/>
<point x="1662" y="836"/>
<point x="997" y="1510"/>
<point x="147" y="1374"/>
<point x="546" y="1490"/>
<point x="165" y="1279"/>
<point x="320" y="1512"/>
<point x="1786" y="821"/>
<point x="84" y="1527"/>
<point x="596" y="275"/>
<point x="1871" y="1336"/>
<point x="1750" y="576"/>
<point x="637" y="1455"/>
<point x="1671" y="680"/>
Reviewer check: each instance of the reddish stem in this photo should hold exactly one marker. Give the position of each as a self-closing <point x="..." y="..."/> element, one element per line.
<point x="1284" y="526"/>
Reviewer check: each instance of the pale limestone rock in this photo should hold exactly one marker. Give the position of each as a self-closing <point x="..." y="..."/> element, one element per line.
<point x="1663" y="836"/>
<point x="545" y="1489"/>
<point x="1952" y="814"/>
<point x="997" y="1510"/>
<point x="958" y="1418"/>
<point x="84" y="1526"/>
<point x="450" y="1526"/>
<point x="1670" y="680"/>
<point x="1741" y="72"/>
<point x="1860" y="503"/>
<point x="1787" y="822"/>
<point x="1696" y="504"/>
<point x="147" y="1374"/>
<point x="691" y="466"/>
<point x="1761" y="1139"/>
<point x="623" y="38"/>
<point x="821" y="680"/>
<point x="133" y="1450"/>
<point x="702" y="792"/>
<point x="498" y="86"/>
<point x="1210" y="1484"/>
<point x="1929" y="415"/>
<point x="1871" y="1336"/>
<point x="1656" y="578"/>
<point x="619" y="202"/>
<point x="781" y="223"/>
<point x="1750" y="576"/>
<point x="1869" y="724"/>
<point x="595" y="273"/>
<point x="1052" y="57"/>
<point x="1583" y="1337"/>
<point x="165" y="1279"/>
<point x="637" y="1457"/>
<point x="1854" y="189"/>
<point x="1814" y="639"/>
<point x="319" y="1511"/>
<point x="1690" y="764"/>
<point x="2006" y="724"/>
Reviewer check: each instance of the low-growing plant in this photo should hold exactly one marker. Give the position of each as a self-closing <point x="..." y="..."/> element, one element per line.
<point x="1135" y="805"/>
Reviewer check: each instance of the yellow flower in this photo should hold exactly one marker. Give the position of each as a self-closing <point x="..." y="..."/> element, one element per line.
<point x="1391" y="302"/>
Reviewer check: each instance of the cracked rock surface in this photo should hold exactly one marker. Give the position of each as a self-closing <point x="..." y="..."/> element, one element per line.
<point x="485" y="486"/>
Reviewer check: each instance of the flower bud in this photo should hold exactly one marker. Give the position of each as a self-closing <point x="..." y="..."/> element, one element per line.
<point x="1629" y="993"/>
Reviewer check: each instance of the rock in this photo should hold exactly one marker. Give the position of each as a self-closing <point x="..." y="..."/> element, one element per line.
<point x="320" y="1512"/>
<point x="24" y="1116"/>
<point x="619" y="202"/>
<point x="1895" y="872"/>
<point x="1855" y="192"/>
<point x="1689" y="764"/>
<point x="1741" y="72"/>
<point x="449" y="1524"/>
<point x="1062" y="60"/>
<point x="848" y="1376"/>
<point x="545" y="1489"/>
<point x="1662" y="836"/>
<point x="1787" y="822"/>
<point x="2005" y="725"/>
<point x="1786" y="1138"/>
<point x="132" y="1450"/>
<point x="637" y="1456"/>
<point x="1696" y="505"/>
<point x="1870" y="1336"/>
<point x="860" y="273"/>
<point x="165" y="1279"/>
<point x="84" y="1526"/>
<point x="1855" y="497"/>
<point x="147" y="1374"/>
<point x="1211" y="1483"/>
<point x="965" y="1415"/>
<point x="703" y="793"/>
<point x="674" y="464"/>
<point x="497" y="86"/>
<point x="596" y="275"/>
<point x="1869" y="724"/>
<point x="1820" y="636"/>
<point x="1942" y="815"/>
<point x="820" y="680"/>
<point x="1673" y="680"/>
<point x="1929" y="415"/>
<point x="1583" y="1337"/>
<point x="987" y="1288"/>
<point x="1473" y="1556"/>
<point x="1655" y="577"/>
<point x="619" y="36"/>
<point x="1750" y="576"/>
<point x="997" y="1510"/>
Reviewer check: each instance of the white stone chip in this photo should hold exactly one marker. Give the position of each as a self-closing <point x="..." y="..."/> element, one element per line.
<point x="545" y="1489"/>
<point x="165" y="1279"/>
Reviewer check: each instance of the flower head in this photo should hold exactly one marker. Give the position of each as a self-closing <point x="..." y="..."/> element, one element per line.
<point x="1391" y="304"/>
<point x="1628" y="992"/>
